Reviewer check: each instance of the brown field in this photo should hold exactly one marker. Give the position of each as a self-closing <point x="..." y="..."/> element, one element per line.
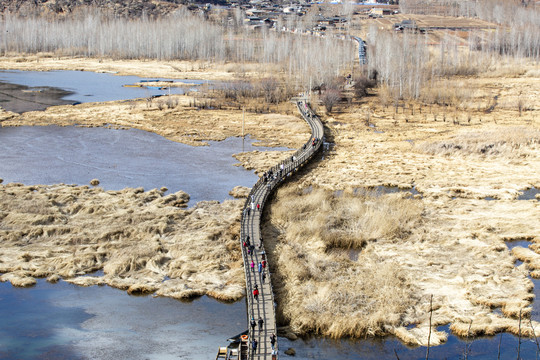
<point x="436" y="26"/>
<point x="357" y="263"/>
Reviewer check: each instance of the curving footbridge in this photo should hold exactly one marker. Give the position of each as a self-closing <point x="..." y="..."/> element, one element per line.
<point x="261" y="306"/>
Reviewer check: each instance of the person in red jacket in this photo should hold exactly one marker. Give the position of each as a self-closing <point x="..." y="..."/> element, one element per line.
<point x="256" y="294"/>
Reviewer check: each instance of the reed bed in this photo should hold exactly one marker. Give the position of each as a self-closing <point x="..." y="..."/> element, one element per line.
<point x="519" y="141"/>
<point x="143" y="241"/>
<point x="320" y="287"/>
<point x="377" y="277"/>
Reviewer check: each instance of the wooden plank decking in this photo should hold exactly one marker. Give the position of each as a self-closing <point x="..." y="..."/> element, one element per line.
<point x="264" y="307"/>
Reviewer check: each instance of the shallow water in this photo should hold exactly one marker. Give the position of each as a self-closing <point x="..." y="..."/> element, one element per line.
<point x="64" y="321"/>
<point x="87" y="86"/>
<point x="484" y="348"/>
<point x="122" y="158"/>
<point x="529" y="194"/>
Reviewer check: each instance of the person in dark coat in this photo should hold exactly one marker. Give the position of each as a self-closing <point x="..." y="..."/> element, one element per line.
<point x="254" y="345"/>
<point x="253" y="324"/>
<point x="261" y="322"/>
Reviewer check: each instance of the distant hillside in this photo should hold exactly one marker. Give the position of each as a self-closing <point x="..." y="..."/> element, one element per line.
<point x="124" y="8"/>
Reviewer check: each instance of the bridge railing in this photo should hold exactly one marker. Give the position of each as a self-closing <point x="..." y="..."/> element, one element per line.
<point x="290" y="166"/>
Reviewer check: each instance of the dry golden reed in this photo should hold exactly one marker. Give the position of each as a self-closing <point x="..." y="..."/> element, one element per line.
<point x="144" y="242"/>
<point x="324" y="283"/>
<point x="360" y="263"/>
<point x="519" y="142"/>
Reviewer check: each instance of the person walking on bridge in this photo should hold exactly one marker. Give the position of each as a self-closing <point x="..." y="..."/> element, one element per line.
<point x="254" y="345"/>
<point x="256" y="294"/>
<point x="261" y="322"/>
<point x="273" y="340"/>
<point x="260" y="267"/>
<point x="253" y="324"/>
<point x="252" y="265"/>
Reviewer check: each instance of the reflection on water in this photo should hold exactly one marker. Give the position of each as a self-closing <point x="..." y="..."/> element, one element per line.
<point x="63" y="321"/>
<point x="481" y="348"/>
<point x="122" y="158"/>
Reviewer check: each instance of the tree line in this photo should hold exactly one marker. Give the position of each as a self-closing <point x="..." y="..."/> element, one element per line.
<point x="180" y="36"/>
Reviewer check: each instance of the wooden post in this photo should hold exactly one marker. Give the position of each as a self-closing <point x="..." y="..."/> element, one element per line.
<point x="430" y="316"/>
<point x="519" y="336"/>
<point x="499" y="351"/>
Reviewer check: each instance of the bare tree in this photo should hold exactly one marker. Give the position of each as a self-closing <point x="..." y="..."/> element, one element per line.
<point x="361" y="86"/>
<point x="330" y="98"/>
<point x="269" y="88"/>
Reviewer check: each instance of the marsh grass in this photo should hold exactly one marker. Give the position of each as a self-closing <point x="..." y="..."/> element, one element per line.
<point x="517" y="141"/>
<point x="144" y="242"/>
<point x="320" y="289"/>
<point x="345" y="220"/>
<point x="376" y="277"/>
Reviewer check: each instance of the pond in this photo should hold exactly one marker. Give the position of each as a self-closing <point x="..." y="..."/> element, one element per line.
<point x="83" y="86"/>
<point x="122" y="158"/>
<point x="64" y="321"/>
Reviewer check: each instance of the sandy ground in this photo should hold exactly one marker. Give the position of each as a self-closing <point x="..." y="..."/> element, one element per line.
<point x="450" y="243"/>
<point x="148" y="68"/>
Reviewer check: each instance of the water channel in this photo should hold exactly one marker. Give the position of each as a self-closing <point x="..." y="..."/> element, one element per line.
<point x="63" y="321"/>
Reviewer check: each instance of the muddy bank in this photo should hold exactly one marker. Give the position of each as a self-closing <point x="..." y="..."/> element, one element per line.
<point x="143" y="68"/>
<point x="144" y="242"/>
<point x="19" y="98"/>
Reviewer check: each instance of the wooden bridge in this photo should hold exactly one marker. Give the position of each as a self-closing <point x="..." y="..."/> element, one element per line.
<point x="263" y="305"/>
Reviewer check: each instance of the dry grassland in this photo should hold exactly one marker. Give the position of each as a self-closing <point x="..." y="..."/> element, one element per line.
<point x="182" y="123"/>
<point x="143" y="68"/>
<point x="448" y="241"/>
<point x="356" y="264"/>
<point x="145" y="242"/>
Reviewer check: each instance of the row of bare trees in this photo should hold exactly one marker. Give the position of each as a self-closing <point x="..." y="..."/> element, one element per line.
<point x="183" y="36"/>
<point x="498" y="11"/>
<point x="93" y="34"/>
<point x="407" y="63"/>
